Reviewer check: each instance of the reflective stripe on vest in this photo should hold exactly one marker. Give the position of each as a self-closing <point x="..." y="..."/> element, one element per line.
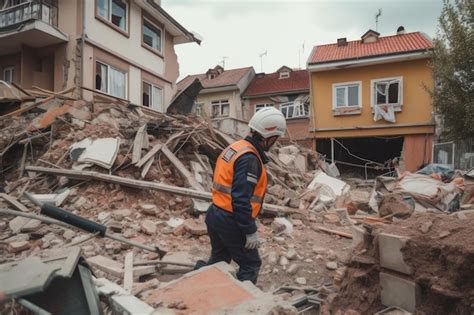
<point x="224" y="174"/>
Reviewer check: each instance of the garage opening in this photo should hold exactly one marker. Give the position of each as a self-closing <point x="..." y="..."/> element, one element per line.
<point x="362" y="157"/>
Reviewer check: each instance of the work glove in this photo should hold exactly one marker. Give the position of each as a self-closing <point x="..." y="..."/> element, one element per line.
<point x="252" y="241"/>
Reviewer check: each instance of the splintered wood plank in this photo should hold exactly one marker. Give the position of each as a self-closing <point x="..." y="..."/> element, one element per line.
<point x="14" y="202"/>
<point x="138" y="144"/>
<point x="149" y="155"/>
<point x="128" y="272"/>
<point x="181" y="168"/>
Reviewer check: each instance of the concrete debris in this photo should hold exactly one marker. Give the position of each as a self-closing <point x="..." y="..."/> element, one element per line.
<point x="102" y="152"/>
<point x="148" y="181"/>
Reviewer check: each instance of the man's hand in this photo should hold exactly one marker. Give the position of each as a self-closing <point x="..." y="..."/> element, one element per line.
<point x="252" y="241"/>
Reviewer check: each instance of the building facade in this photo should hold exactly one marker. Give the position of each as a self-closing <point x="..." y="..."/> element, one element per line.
<point x="123" y="48"/>
<point x="220" y="97"/>
<point x="287" y="90"/>
<point x="370" y="99"/>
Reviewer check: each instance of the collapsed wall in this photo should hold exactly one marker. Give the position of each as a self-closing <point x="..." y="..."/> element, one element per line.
<point x="424" y="264"/>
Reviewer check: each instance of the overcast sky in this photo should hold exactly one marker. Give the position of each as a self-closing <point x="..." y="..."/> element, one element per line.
<point x="242" y="29"/>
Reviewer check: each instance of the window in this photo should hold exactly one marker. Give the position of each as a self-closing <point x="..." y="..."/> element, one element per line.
<point x="294" y="110"/>
<point x="110" y="80"/>
<point x="8" y="74"/>
<point x="387" y="91"/>
<point x="198" y="108"/>
<point x="153" y="96"/>
<point x="284" y="75"/>
<point x="220" y="108"/>
<point x="114" y="11"/>
<point x="151" y="35"/>
<point x="346" y="95"/>
<point x="260" y="106"/>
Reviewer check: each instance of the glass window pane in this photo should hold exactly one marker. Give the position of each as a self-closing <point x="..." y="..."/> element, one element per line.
<point x="215" y="110"/>
<point x="146" y="94"/>
<point x="119" y="13"/>
<point x="340" y="96"/>
<point x="152" y="36"/>
<point x="393" y="93"/>
<point x="353" y="95"/>
<point x="284" y="111"/>
<point x="103" y="8"/>
<point x="117" y="83"/>
<point x="381" y="95"/>
<point x="101" y="77"/>
<point x="157" y="99"/>
<point x="225" y="109"/>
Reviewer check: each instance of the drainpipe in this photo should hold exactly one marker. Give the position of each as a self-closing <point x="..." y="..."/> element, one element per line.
<point x="82" y="45"/>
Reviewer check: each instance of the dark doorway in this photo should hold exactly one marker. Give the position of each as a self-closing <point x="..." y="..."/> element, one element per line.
<point x="360" y="156"/>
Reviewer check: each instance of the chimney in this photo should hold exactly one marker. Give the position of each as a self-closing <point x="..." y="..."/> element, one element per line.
<point x="400" y="30"/>
<point x="341" y="42"/>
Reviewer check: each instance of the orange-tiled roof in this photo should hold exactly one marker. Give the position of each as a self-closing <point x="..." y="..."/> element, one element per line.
<point x="271" y="83"/>
<point x="388" y="45"/>
<point x="226" y="78"/>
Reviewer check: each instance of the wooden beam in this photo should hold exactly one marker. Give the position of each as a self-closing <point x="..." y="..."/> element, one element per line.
<point x="128" y="272"/>
<point x="14" y="202"/>
<point x="343" y="234"/>
<point x="134" y="183"/>
<point x="149" y="155"/>
<point x="181" y="168"/>
<point x="138" y="144"/>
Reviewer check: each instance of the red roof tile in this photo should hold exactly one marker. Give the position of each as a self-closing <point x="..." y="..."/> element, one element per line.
<point x="387" y="45"/>
<point x="226" y="78"/>
<point x="272" y="84"/>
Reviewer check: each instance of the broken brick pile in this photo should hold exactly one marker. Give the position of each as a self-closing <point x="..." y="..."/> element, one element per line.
<point x="306" y="247"/>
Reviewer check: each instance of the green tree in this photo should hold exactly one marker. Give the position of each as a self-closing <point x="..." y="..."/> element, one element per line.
<point x="453" y="69"/>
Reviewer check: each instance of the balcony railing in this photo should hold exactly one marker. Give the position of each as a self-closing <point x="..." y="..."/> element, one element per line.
<point x="14" y="16"/>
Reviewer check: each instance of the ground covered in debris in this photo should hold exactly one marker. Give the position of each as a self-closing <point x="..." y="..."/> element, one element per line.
<point x="146" y="176"/>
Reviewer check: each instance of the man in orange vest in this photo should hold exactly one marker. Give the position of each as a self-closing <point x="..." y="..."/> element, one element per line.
<point x="239" y="187"/>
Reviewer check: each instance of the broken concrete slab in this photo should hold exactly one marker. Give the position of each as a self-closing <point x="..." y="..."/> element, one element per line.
<point x="148" y="227"/>
<point x="101" y="152"/>
<point x="400" y="292"/>
<point x="18" y="223"/>
<point x="391" y="256"/>
<point x="120" y="300"/>
<point x="212" y="289"/>
<point x="107" y="265"/>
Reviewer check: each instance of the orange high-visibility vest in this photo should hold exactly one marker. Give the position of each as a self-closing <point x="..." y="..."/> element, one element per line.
<point x="224" y="174"/>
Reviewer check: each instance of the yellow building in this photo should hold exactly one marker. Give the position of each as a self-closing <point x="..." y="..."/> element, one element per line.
<point x="370" y="99"/>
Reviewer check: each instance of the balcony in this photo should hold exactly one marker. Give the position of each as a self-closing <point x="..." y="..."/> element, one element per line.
<point x="33" y="23"/>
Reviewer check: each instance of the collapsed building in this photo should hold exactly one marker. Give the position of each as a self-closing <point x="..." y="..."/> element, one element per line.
<point x="137" y="181"/>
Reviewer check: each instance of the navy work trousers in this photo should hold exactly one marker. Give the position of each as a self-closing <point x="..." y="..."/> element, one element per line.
<point x="228" y="242"/>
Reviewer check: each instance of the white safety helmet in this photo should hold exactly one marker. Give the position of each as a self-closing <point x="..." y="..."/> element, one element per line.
<point x="268" y="122"/>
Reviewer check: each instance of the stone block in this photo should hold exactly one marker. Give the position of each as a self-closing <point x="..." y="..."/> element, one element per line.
<point x="391" y="256"/>
<point x="400" y="292"/>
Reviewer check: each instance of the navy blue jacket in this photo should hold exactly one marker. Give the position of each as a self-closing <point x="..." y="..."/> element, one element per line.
<point x="247" y="170"/>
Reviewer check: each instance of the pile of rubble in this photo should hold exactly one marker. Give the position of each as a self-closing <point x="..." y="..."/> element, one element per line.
<point x="137" y="184"/>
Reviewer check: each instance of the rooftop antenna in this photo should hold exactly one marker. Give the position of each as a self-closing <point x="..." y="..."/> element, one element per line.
<point x="223" y="61"/>
<point x="300" y="52"/>
<point x="261" y="60"/>
<point x="377" y="19"/>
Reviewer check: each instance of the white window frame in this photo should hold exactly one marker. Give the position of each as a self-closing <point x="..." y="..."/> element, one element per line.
<point x="294" y="105"/>
<point x="12" y="73"/>
<point x="161" y="35"/>
<point x="109" y="15"/>
<point x="400" y="90"/>
<point x="108" y="79"/>
<point x="263" y="105"/>
<point x="152" y="96"/>
<point x="346" y="85"/>
<point x="284" y="74"/>
<point x="219" y="103"/>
